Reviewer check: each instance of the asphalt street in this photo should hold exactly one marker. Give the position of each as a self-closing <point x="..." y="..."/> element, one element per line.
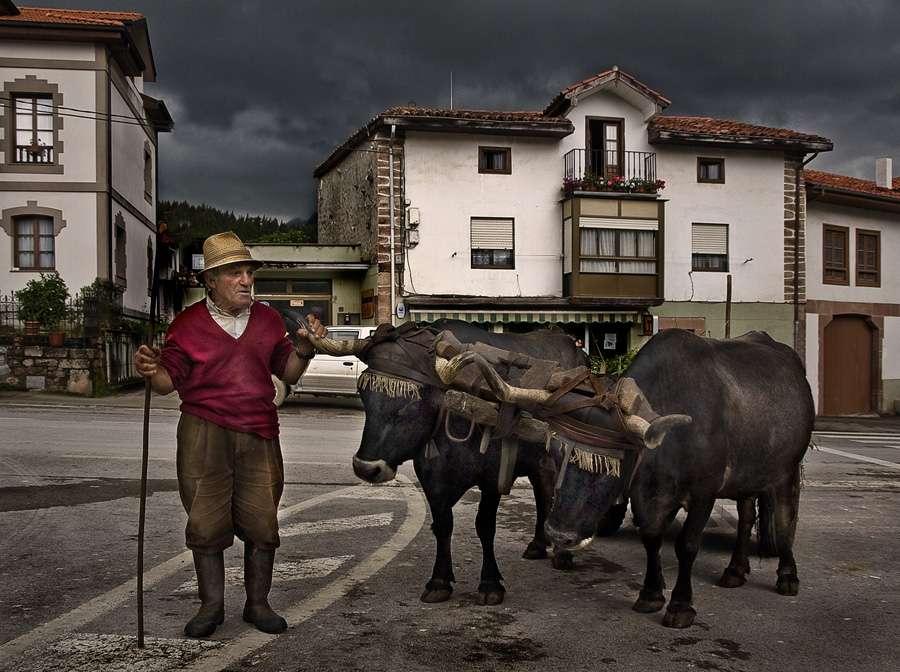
<point x="355" y="558"/>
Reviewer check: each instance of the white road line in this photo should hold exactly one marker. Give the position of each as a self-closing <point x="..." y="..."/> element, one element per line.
<point x="861" y="458"/>
<point x="254" y="639"/>
<point x="40" y="638"/>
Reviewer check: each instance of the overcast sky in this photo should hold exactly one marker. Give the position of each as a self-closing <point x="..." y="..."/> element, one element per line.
<point x="262" y="91"/>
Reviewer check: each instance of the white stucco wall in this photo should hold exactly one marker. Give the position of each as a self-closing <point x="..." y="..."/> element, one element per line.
<point x="443" y="182"/>
<point x="750" y="202"/>
<point x="76" y="244"/>
<point x="888" y="224"/>
<point x="812" y="355"/>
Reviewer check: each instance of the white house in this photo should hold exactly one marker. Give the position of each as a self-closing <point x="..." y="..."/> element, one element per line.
<point x="79" y="150"/>
<point x="853" y="291"/>
<point x="483" y="230"/>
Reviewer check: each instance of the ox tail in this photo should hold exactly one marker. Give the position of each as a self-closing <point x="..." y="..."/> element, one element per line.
<point x="765" y="525"/>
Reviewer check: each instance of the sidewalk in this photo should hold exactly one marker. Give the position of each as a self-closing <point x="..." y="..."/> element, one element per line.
<point x="128" y="398"/>
<point x="134" y="398"/>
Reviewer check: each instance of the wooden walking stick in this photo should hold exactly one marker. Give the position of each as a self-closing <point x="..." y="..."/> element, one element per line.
<point x="145" y="455"/>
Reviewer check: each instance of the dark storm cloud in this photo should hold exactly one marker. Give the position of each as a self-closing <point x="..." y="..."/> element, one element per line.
<point x="262" y="91"/>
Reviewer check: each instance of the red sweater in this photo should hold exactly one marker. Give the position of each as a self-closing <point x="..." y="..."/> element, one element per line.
<point x="223" y="379"/>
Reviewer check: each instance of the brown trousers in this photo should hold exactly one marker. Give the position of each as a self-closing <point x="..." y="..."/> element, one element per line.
<point x="230" y="484"/>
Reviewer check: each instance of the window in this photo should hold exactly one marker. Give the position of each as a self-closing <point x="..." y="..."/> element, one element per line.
<point x="148" y="174"/>
<point x="709" y="247"/>
<point x="868" y="258"/>
<point x="618" y="250"/>
<point x="492" y="243"/>
<point x="33" y="129"/>
<point x="495" y="160"/>
<point x="711" y="170"/>
<point x="304" y="295"/>
<point x="34" y="243"/>
<point x="835" y="255"/>
<point x="122" y="253"/>
<point x="30" y="126"/>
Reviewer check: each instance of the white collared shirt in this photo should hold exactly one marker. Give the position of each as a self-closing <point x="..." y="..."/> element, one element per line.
<point x="234" y="326"/>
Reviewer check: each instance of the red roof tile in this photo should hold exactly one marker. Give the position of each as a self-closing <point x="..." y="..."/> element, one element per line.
<point x="705" y="127"/>
<point x="485" y="115"/>
<point x="72" y="17"/>
<point x="844" y="183"/>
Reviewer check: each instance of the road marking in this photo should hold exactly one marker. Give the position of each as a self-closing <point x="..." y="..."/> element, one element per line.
<point x="337" y="524"/>
<point x="213" y="656"/>
<point x="861" y="458"/>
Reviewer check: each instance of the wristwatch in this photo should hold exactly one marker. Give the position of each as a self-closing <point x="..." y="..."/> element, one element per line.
<point x="305" y="358"/>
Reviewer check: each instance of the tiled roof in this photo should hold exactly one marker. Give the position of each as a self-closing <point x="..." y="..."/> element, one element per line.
<point x="617" y="75"/>
<point x="481" y="115"/>
<point x="850" y="184"/>
<point x="706" y="128"/>
<point x="72" y="17"/>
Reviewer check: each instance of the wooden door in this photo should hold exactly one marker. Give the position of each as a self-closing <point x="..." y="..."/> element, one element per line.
<point x="847" y="383"/>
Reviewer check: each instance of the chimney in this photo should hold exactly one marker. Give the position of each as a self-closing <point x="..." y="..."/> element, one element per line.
<point x="884" y="178"/>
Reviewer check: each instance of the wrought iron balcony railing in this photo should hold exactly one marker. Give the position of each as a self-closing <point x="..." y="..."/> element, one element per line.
<point x="610" y="163"/>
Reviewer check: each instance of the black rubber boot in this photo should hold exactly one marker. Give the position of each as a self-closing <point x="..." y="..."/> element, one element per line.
<point x="211" y="585"/>
<point x="258" y="567"/>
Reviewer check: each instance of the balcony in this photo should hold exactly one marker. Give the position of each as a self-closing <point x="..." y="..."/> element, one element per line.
<point x="630" y="167"/>
<point x="38" y="154"/>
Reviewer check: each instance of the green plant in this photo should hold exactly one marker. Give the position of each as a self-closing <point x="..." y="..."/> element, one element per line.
<point x="43" y="300"/>
<point x="611" y="365"/>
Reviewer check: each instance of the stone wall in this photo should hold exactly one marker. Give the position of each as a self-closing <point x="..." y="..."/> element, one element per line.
<point x="64" y="369"/>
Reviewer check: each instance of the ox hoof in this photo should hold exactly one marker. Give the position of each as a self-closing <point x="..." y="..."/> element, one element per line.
<point x="535" y="551"/>
<point x="490" y="594"/>
<point x="788" y="585"/>
<point x="563" y="560"/>
<point x="649" y="603"/>
<point x="436" y="591"/>
<point x="679" y="617"/>
<point x="732" y="578"/>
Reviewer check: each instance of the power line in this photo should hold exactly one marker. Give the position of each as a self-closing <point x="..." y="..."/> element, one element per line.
<point x="76" y="113"/>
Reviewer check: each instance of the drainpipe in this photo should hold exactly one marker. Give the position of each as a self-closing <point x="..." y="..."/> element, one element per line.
<point x="110" y="241"/>
<point x="391" y="196"/>
<point x="797" y="171"/>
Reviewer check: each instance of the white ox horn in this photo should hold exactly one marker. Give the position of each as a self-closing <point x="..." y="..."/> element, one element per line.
<point x="448" y="370"/>
<point x="327" y="345"/>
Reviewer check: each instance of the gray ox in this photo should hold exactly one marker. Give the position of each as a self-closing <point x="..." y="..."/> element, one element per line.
<point x="753" y="416"/>
<point x="407" y="418"/>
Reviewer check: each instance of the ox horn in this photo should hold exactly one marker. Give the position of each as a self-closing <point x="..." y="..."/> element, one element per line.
<point x="448" y="370"/>
<point x="327" y="345"/>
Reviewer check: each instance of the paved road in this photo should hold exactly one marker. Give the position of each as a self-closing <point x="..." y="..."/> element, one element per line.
<point x="355" y="559"/>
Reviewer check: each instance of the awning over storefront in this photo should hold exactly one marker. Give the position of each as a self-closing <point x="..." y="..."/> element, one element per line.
<point x="510" y="316"/>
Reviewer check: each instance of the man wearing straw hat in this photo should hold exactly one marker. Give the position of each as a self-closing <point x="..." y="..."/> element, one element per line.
<point x="219" y="355"/>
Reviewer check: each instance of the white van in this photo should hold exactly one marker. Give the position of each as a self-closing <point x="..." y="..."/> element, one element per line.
<point x="327" y="375"/>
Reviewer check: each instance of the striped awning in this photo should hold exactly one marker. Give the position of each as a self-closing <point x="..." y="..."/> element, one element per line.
<point x="511" y="316"/>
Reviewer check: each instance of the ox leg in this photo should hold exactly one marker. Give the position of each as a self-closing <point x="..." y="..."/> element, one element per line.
<point x="542" y="486"/>
<point x="787" y="505"/>
<point x="736" y="572"/>
<point x="440" y="588"/>
<point x="680" y="613"/>
<point x="490" y="590"/>
<point x="651" y="598"/>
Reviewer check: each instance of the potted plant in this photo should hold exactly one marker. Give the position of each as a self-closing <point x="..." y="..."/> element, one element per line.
<point x="43" y="301"/>
<point x="592" y="182"/>
<point x="572" y="184"/>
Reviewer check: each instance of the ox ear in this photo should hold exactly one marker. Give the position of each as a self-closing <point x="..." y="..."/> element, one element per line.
<point x="652" y="434"/>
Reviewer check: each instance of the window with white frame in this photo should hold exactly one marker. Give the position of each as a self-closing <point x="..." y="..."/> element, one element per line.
<point x="492" y="242"/>
<point x="618" y="246"/>
<point x="709" y="247"/>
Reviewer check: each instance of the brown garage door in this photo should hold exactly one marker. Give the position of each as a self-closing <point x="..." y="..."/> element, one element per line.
<point x="848" y="366"/>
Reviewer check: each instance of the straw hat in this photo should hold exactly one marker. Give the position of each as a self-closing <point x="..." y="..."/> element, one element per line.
<point x="225" y="248"/>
